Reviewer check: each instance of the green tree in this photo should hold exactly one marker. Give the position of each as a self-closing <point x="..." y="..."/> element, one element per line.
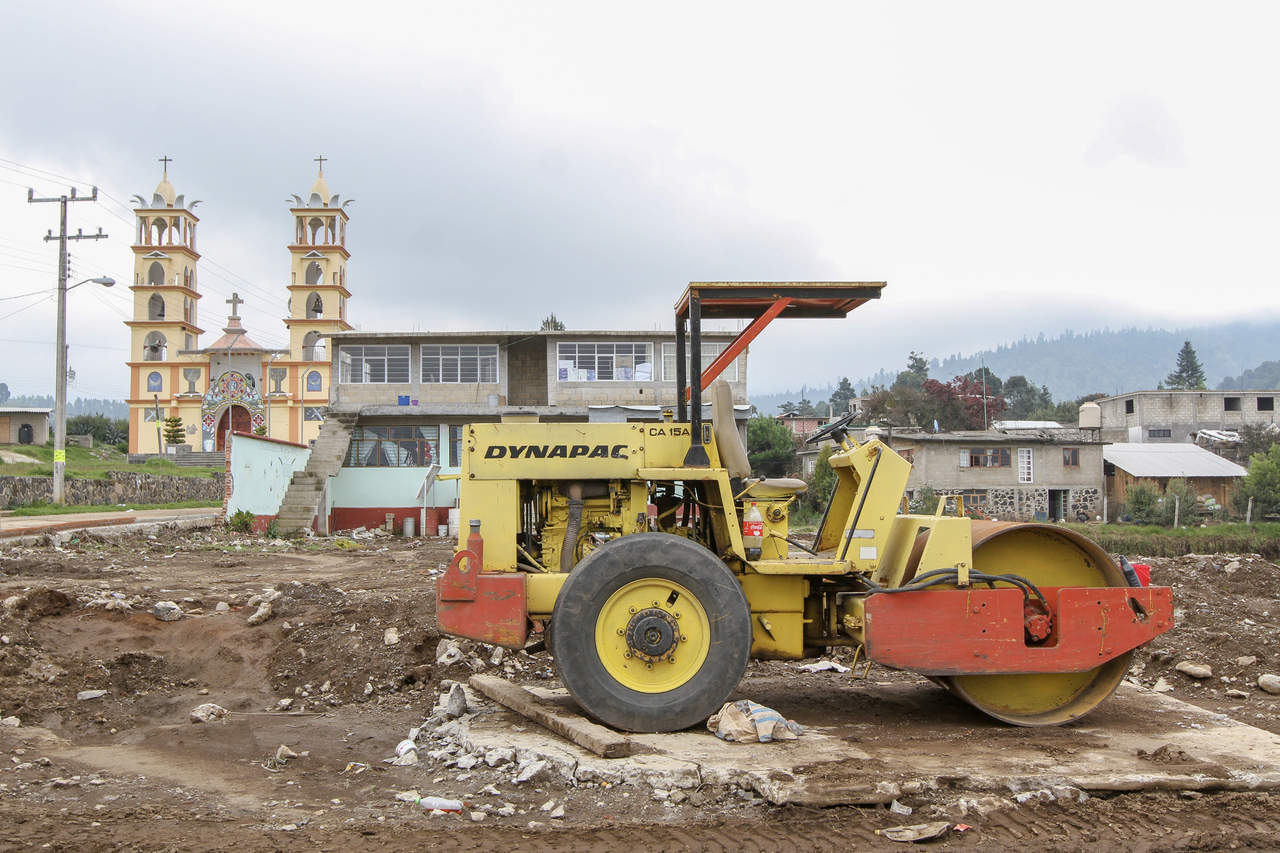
<point x="1188" y="375"/>
<point x="771" y="448"/>
<point x="805" y="407"/>
<point x="994" y="384"/>
<point x="842" y="395"/>
<point x="552" y="323"/>
<point x="1024" y="398"/>
<point x="1142" y="504"/>
<point x="916" y="373"/>
<point x="1257" y="438"/>
<point x="173" y="433"/>
<point x="4" y="393"/>
<point x="821" y="482"/>
<point x="788" y="406"/>
<point x="1263" y="482"/>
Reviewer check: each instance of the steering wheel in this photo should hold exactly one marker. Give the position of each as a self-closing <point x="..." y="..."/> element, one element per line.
<point x="836" y="426"/>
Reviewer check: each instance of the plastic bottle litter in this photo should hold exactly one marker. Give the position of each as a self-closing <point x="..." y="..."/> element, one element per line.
<point x="439" y="803"/>
<point x="753" y="532"/>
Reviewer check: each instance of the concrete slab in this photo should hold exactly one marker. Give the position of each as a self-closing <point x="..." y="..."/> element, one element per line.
<point x="896" y="737"/>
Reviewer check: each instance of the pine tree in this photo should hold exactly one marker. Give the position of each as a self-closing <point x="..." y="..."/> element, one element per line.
<point x="552" y="323"/>
<point x="841" y="396"/>
<point x="173" y="433"/>
<point x="1189" y="375"/>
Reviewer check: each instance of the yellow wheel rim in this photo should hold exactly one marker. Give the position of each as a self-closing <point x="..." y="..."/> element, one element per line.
<point x="652" y="601"/>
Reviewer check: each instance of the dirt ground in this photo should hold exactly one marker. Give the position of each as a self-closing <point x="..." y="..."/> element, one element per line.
<point x="346" y="664"/>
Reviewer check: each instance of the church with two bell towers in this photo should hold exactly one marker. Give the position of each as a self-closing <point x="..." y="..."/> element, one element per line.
<point x="233" y="384"/>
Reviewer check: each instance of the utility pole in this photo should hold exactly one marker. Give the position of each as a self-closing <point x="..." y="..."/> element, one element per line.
<point x="60" y="381"/>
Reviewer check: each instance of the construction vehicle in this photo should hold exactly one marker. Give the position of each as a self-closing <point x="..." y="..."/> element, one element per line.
<point x="624" y="543"/>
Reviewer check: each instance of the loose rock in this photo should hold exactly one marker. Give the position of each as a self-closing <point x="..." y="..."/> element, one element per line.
<point x="262" y="614"/>
<point x="86" y="695"/>
<point x="12" y="722"/>
<point x="1195" y="670"/>
<point x="390" y="637"/>
<point x="207" y="713"/>
<point x="1246" y="660"/>
<point x="167" y="611"/>
<point x="1162" y="686"/>
<point x="222" y="607"/>
<point x="1269" y="683"/>
<point x="455" y="704"/>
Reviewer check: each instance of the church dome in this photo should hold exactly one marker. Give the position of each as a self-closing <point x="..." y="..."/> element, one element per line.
<point x="319" y="192"/>
<point x="165" y="190"/>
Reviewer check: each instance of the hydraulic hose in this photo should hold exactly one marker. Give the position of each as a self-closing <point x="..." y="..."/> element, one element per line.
<point x="570" y="546"/>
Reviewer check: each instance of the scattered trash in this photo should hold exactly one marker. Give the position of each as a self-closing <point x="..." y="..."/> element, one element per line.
<point x="284" y="753"/>
<point x="916" y="831"/>
<point x="438" y="804"/>
<point x="898" y="808"/>
<point x="745" y="721"/>
<point x="355" y="768"/>
<point x="823" y="666"/>
<point x="406" y="745"/>
<point x="207" y="713"/>
<point x="167" y="611"/>
<point x="86" y="695"/>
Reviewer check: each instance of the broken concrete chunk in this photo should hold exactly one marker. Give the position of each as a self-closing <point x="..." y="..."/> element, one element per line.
<point x="529" y="770"/>
<point x="557" y="812"/>
<point x="221" y="607"/>
<point x="455" y="703"/>
<point x="262" y="614"/>
<point x="207" y="713"/>
<point x="167" y="611"/>
<point x="498" y="755"/>
<point x="86" y="695"/>
<point x="1246" y="660"/>
<point x="390" y="637"/>
<point x="284" y="704"/>
<point x="448" y="653"/>
<point x="1162" y="686"/>
<point x="1194" y="670"/>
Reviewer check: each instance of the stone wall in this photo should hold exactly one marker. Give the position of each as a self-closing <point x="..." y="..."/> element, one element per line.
<point x="1021" y="503"/>
<point x="118" y="487"/>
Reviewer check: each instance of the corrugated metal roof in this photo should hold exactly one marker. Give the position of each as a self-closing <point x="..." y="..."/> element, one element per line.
<point x="1026" y="425"/>
<point x="1169" y="460"/>
<point x="22" y="410"/>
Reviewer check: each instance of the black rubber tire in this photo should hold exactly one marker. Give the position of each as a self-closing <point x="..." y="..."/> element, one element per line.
<point x="603" y="572"/>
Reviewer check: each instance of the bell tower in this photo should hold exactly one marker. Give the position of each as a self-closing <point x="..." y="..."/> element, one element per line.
<point x="317" y="305"/>
<point x="163" y="334"/>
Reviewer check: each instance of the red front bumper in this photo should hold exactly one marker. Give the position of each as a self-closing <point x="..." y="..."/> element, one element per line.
<point x="484" y="606"/>
<point x="981" y="631"/>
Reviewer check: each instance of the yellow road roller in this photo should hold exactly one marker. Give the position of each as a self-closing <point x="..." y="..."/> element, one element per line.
<point x="656" y="566"/>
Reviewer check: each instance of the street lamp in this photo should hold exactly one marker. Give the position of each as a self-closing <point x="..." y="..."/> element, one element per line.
<point x="60" y="386"/>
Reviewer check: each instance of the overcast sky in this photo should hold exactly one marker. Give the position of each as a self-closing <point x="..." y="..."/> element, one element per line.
<point x="1009" y="169"/>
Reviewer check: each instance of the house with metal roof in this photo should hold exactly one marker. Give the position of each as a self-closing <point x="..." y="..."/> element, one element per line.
<point x="1125" y="465"/>
<point x="20" y="425"/>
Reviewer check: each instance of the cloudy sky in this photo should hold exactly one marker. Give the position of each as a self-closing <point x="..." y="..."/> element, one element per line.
<point x="1009" y="169"/>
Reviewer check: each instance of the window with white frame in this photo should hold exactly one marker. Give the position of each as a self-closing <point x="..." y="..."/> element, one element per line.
<point x="1024" y="465"/>
<point x="604" y="362"/>
<point x="709" y="353"/>
<point x="374" y="365"/>
<point x="415" y="446"/>
<point x="454" y="363"/>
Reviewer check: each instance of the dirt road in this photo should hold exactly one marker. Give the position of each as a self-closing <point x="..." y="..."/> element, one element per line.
<point x="346" y="664"/>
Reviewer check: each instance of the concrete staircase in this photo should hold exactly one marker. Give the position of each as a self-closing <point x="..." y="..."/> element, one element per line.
<point x="302" y="499"/>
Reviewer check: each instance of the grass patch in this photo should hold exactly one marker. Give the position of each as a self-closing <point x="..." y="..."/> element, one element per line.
<point x="94" y="464"/>
<point x="1153" y="541"/>
<point x="51" y="509"/>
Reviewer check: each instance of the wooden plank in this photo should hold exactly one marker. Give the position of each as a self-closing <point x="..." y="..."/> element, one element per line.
<point x="604" y="742"/>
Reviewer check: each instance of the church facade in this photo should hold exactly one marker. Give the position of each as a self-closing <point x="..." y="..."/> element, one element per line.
<point x="233" y="384"/>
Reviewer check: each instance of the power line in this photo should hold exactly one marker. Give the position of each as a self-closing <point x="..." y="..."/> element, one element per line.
<point x="25" y="295"/>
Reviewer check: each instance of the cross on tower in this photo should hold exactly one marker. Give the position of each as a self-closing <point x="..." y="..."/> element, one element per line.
<point x="321" y="160"/>
<point x="166" y="160"/>
<point x="235" y="302"/>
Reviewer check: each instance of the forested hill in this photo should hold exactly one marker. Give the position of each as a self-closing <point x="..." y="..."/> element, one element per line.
<point x="1072" y="365"/>
<point x="114" y="409"/>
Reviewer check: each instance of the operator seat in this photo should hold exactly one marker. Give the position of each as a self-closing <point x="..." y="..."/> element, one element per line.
<point x="733" y="455"/>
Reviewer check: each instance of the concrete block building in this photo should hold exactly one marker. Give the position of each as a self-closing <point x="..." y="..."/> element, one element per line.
<point x="1140" y="417"/>
<point x="1050" y="474"/>
<point x="24" y="426"/>
<point x="400" y="403"/>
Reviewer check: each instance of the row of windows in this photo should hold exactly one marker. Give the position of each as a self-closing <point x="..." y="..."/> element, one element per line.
<point x="1002" y="457"/>
<point x="416" y="446"/>
<point x="155" y="381"/>
<point x="478" y="363"/>
<point x="1229" y="404"/>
